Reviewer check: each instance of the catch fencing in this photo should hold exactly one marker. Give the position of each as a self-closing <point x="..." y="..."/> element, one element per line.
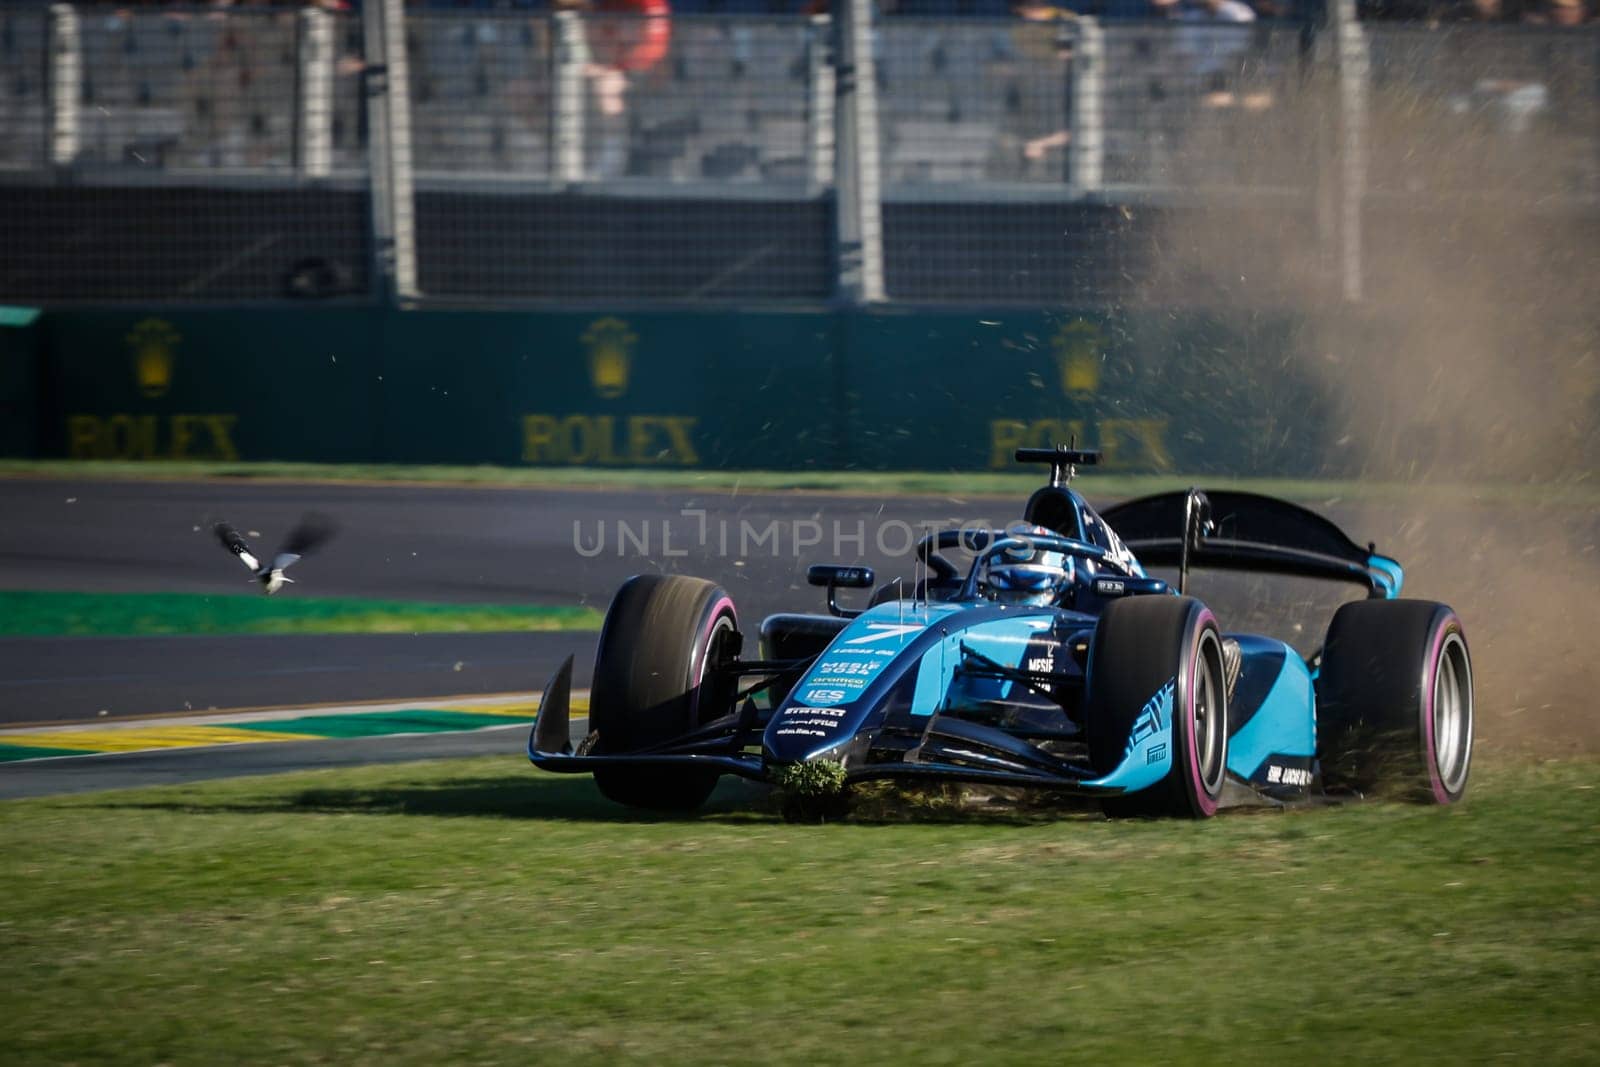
<point x="184" y="155"/>
<point x="200" y="155"/>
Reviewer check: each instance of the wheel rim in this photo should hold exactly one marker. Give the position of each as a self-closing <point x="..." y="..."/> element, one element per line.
<point x="1452" y="715"/>
<point x="1210" y="716"/>
<point x="723" y="623"/>
<point x="721" y="626"/>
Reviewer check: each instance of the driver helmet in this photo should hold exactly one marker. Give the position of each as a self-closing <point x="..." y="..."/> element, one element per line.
<point x="1028" y="575"/>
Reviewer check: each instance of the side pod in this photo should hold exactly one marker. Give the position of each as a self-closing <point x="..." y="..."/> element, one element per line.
<point x="551" y="732"/>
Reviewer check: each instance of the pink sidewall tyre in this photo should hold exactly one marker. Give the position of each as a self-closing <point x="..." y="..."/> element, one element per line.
<point x="653" y="683"/>
<point x="1395" y="712"/>
<point x="1140" y="645"/>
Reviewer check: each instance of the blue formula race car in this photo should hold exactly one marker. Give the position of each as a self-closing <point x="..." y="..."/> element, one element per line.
<point x="1053" y="661"/>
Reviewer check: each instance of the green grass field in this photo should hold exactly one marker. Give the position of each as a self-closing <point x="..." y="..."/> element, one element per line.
<point x="1012" y="483"/>
<point x="480" y="912"/>
<point x="50" y="614"/>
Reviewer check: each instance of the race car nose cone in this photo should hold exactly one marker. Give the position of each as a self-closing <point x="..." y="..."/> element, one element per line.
<point x="796" y="733"/>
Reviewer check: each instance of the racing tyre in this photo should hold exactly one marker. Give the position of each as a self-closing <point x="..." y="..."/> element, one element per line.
<point x="1141" y="645"/>
<point x="651" y="684"/>
<point x="1394" y="701"/>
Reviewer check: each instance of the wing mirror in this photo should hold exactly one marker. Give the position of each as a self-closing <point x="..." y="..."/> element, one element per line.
<point x="833" y="576"/>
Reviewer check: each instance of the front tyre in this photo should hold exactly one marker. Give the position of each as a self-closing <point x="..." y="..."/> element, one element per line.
<point x="653" y="682"/>
<point x="1141" y="645"/>
<point x="1394" y="701"/>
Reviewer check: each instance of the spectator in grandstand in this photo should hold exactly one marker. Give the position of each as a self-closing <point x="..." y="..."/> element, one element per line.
<point x="630" y="35"/>
<point x="625" y="38"/>
<point x="1557" y="13"/>
<point x="1216" y="45"/>
<point x="1039" y="11"/>
<point x="1437" y="12"/>
<point x="1213" y="11"/>
<point x="1042" y="49"/>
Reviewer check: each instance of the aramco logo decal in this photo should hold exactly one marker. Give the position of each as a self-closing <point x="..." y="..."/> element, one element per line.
<point x="153" y="342"/>
<point x="1077" y="350"/>
<point x="610" y="343"/>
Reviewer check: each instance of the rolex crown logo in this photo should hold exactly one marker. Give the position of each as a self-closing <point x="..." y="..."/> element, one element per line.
<point x="1078" y="356"/>
<point x="153" y="342"/>
<point x="610" y="344"/>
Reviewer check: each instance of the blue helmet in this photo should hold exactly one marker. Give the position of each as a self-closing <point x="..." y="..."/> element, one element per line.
<point x="1026" y="574"/>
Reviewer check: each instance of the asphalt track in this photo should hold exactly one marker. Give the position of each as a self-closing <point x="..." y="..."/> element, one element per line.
<point x="458" y="545"/>
<point x="83" y="678"/>
<point x="463" y="545"/>
<point x="398" y="542"/>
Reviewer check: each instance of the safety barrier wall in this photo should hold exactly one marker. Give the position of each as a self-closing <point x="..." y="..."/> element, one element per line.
<point x="777" y="390"/>
<point x="20" y="358"/>
<point x="184" y="154"/>
<point x="1301" y="395"/>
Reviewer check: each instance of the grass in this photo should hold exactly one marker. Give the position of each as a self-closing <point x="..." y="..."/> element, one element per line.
<point x="49" y="614"/>
<point x="1013" y="483"/>
<point x="480" y="912"/>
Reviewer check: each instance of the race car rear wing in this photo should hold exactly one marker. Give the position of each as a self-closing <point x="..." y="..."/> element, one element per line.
<point x="1229" y="530"/>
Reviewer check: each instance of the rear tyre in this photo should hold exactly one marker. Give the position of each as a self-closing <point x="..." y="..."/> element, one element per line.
<point x="1394" y="701"/>
<point x="652" y="684"/>
<point x="1142" y="644"/>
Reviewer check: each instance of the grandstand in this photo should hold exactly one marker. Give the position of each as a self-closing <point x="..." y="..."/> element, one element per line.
<point x="968" y="157"/>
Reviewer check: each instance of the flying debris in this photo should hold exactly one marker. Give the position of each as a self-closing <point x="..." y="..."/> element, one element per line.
<point x="313" y="530"/>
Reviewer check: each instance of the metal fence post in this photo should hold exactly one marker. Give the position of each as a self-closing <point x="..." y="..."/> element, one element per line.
<point x="819" y="109"/>
<point x="1353" y="64"/>
<point x="388" y="91"/>
<point x="857" y="180"/>
<point x="567" y="101"/>
<point x="66" y="84"/>
<point x="314" y="120"/>
<point x="1088" y="146"/>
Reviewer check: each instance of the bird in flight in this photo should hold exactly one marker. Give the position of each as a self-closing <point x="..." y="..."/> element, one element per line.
<point x="313" y="530"/>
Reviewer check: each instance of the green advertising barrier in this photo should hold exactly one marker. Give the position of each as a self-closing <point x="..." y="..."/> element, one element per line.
<point x="1156" y="392"/>
<point x="364" y="384"/>
<point x="638" y="390"/>
<point x="211" y="385"/>
<point x="20" y="331"/>
<point x="881" y="389"/>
